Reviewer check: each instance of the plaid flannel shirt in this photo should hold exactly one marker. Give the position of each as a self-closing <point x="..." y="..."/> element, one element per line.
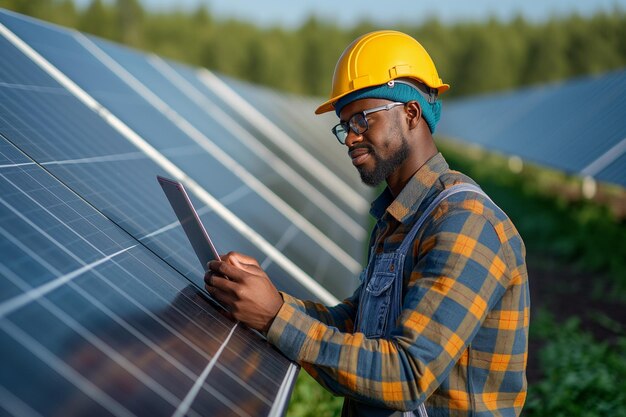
<point x="460" y="343"/>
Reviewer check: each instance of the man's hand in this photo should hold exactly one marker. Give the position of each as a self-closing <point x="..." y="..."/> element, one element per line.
<point x="248" y="291"/>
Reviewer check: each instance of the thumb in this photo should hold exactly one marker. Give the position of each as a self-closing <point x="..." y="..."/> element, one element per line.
<point x="235" y="261"/>
<point x="243" y="262"/>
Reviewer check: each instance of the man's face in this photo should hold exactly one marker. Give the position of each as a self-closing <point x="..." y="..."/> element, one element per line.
<point x="380" y="151"/>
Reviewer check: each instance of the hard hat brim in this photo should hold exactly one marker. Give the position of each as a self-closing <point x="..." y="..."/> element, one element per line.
<point x="329" y="105"/>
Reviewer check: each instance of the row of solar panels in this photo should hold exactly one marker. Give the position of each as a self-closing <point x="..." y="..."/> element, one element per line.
<point x="101" y="307"/>
<point x="578" y="126"/>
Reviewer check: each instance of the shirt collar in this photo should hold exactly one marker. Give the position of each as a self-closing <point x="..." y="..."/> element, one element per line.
<point x="412" y="195"/>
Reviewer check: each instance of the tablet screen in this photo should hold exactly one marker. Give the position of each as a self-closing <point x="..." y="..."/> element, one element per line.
<point x="189" y="219"/>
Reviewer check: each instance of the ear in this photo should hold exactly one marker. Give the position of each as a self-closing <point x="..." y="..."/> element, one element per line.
<point x="413" y="113"/>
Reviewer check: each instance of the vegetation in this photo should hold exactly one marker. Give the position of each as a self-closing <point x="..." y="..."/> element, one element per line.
<point x="309" y="399"/>
<point x="583" y="377"/>
<point x="472" y="57"/>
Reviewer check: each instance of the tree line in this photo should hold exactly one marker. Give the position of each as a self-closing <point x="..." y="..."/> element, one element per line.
<point x="474" y="57"/>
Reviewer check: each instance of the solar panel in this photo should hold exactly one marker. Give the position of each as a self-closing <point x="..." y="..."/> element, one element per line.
<point x="95" y="323"/>
<point x="278" y="223"/>
<point x="577" y="126"/>
<point x="102" y="309"/>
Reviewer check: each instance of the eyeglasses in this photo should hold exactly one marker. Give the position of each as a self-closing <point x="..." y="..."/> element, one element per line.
<point x="358" y="122"/>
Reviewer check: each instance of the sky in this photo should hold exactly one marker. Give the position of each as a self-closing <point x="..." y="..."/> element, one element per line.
<point x="291" y="13"/>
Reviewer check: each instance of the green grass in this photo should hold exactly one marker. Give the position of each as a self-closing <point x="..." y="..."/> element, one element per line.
<point x="583" y="377"/>
<point x="309" y="399"/>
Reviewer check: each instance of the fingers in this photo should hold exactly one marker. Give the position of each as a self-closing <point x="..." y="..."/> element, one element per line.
<point x="220" y="288"/>
<point x="249" y="296"/>
<point x="235" y="273"/>
<point x="222" y="297"/>
<point x="221" y="283"/>
<point x="238" y="259"/>
<point x="253" y="269"/>
<point x="228" y="271"/>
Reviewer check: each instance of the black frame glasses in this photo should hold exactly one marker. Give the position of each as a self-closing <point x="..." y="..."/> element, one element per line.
<point x="358" y="122"/>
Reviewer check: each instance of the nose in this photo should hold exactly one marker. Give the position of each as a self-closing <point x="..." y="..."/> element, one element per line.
<point x="353" y="138"/>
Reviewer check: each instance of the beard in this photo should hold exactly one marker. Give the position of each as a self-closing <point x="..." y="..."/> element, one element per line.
<point x="383" y="168"/>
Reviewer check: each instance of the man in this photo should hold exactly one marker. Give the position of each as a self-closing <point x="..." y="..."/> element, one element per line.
<point x="439" y="324"/>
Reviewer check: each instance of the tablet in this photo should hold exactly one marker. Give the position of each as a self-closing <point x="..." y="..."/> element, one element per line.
<point x="189" y="219"/>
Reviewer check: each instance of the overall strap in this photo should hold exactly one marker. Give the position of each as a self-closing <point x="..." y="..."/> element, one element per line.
<point x="458" y="188"/>
<point x="408" y="240"/>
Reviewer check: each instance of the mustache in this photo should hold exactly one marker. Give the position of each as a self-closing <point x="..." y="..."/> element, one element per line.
<point x="361" y="146"/>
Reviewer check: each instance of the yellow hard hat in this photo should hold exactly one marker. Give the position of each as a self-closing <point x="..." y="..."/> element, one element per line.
<point x="379" y="57"/>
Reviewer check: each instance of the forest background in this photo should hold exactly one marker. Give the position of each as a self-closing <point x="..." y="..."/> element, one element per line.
<point x="576" y="246"/>
<point x="473" y="57"/>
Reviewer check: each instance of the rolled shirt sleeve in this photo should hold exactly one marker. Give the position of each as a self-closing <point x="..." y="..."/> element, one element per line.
<point x="340" y="316"/>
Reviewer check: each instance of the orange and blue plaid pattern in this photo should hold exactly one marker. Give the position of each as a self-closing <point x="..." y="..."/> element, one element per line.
<point x="460" y="344"/>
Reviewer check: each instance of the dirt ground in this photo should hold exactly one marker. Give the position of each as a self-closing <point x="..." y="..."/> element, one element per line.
<point x="566" y="292"/>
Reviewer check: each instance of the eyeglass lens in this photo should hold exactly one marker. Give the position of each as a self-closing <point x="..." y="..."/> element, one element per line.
<point x="357" y="123"/>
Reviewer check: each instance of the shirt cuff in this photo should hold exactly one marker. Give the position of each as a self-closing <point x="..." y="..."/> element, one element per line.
<point x="293" y="301"/>
<point x="290" y="328"/>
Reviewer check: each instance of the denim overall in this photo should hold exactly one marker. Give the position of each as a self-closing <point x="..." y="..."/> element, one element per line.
<point x="380" y="302"/>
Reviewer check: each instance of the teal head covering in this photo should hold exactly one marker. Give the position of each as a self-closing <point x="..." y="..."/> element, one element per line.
<point x="401" y="91"/>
